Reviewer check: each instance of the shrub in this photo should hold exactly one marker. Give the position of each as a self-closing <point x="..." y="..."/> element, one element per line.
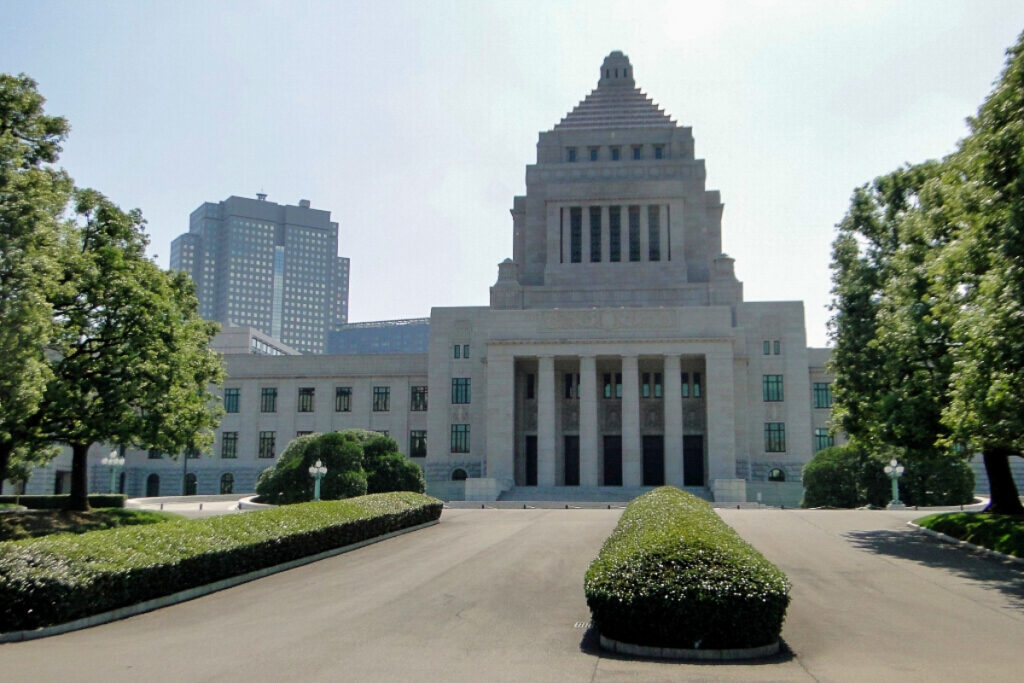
<point x="289" y="481"/>
<point x="389" y="470"/>
<point x="845" y="477"/>
<point x="55" y="579"/>
<point x="673" y="574"/>
<point x="60" y="501"/>
<point x="939" y="480"/>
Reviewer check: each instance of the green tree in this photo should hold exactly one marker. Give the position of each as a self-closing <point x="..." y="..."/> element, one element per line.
<point x="981" y="276"/>
<point x="130" y="360"/>
<point x="33" y="196"/>
<point x="845" y="477"/>
<point x="387" y="469"/>
<point x="288" y="481"/>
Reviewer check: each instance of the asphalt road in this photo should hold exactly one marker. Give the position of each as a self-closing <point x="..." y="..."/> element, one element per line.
<point x="496" y="595"/>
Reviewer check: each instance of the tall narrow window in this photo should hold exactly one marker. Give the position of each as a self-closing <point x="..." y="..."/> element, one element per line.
<point x="418" y="399"/>
<point x="638" y="152"/>
<point x="306" y="397"/>
<point x="618" y="385"/>
<point x="645" y="385"/>
<point x="231" y="400"/>
<point x="614" y="234"/>
<point x="460" y="390"/>
<point x="684" y="384"/>
<point x="771" y="388"/>
<point x="268" y="400"/>
<point x="575" y="234"/>
<point x="572" y="385"/>
<point x="381" y="399"/>
<point x="342" y="399"/>
<point x="460" y="439"/>
<point x="822" y="395"/>
<point x="823" y="440"/>
<point x="607" y="385"/>
<point x="229" y="445"/>
<point x="457" y="351"/>
<point x="778" y="347"/>
<point x="767" y="347"/>
<point x="595" y="234"/>
<point x="658" y="391"/>
<point x="774" y="437"/>
<point x="593" y="153"/>
<point x="465" y="350"/>
<point x="634" y="233"/>
<point x="418" y="443"/>
<point x="696" y="385"/>
<point x="531" y="386"/>
<point x="570" y="154"/>
<point x="266" y="449"/>
<point x="654" y="232"/>
<point x="659" y="151"/>
<point x="616" y="151"/>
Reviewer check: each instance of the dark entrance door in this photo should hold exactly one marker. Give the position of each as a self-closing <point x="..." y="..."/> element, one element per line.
<point x="693" y="460"/>
<point x="654" y="460"/>
<point x="152" y="485"/>
<point x="613" y="460"/>
<point x="572" y="460"/>
<point x="531" y="461"/>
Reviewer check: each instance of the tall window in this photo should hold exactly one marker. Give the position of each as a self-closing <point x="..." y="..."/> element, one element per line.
<point x="696" y="385"/>
<point x="593" y="153"/>
<point x="777" y="345"/>
<point x="659" y="151"/>
<point x="229" y="445"/>
<point x="571" y="385"/>
<point x="381" y="399"/>
<point x="231" y="399"/>
<point x="531" y="386"/>
<point x="595" y="234"/>
<point x="418" y="443"/>
<point x="774" y="437"/>
<point x="634" y="233"/>
<point x="342" y="399"/>
<point x="638" y="152"/>
<point x="654" y="232"/>
<point x="266" y="445"/>
<point x="614" y="234"/>
<point x="268" y="400"/>
<point x="227" y="483"/>
<point x="771" y="387"/>
<point x="613" y="390"/>
<point x="575" y="234"/>
<point x="822" y="440"/>
<point x="767" y="346"/>
<point x="822" y="395"/>
<point x="460" y="438"/>
<point x="465" y="350"/>
<point x="650" y="385"/>
<point x="684" y="384"/>
<point x="570" y="154"/>
<point x="616" y="153"/>
<point x="418" y="399"/>
<point x="460" y="390"/>
<point x="457" y="352"/>
<point x="306" y="396"/>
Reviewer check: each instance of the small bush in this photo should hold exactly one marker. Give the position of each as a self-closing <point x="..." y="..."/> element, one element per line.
<point x="1004" y="533"/>
<point x="845" y="477"/>
<point x="673" y="574"/>
<point x="60" y="501"/>
<point x="939" y="480"/>
<point x="387" y="469"/>
<point x="55" y="579"/>
<point x="288" y="481"/>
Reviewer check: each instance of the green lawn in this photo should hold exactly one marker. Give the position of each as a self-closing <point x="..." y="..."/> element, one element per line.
<point x="1004" y="533"/>
<point x="32" y="523"/>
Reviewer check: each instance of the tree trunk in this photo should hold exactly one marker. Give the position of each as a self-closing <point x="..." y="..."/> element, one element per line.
<point x="79" y="477"/>
<point x="5" y="457"/>
<point x="1005" y="499"/>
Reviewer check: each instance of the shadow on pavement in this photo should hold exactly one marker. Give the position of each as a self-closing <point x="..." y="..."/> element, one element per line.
<point x="591" y="645"/>
<point x="917" y="547"/>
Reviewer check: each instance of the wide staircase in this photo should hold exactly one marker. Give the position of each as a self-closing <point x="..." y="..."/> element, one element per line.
<point x="588" y="494"/>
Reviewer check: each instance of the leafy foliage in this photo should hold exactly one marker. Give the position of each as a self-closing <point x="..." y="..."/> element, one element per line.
<point x="673" y="574"/>
<point x="845" y="477"/>
<point x="59" y="578"/>
<point x="387" y="469"/>
<point x="15" y="526"/>
<point x="288" y="481"/>
<point x="1002" y="533"/>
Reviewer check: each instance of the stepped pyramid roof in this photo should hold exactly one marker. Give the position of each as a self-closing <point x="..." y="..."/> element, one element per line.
<point x="616" y="102"/>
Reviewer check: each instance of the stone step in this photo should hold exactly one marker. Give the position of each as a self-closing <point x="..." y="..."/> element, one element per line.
<point x="591" y="494"/>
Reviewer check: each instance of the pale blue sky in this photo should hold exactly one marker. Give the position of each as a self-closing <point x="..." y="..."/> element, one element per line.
<point x="412" y="122"/>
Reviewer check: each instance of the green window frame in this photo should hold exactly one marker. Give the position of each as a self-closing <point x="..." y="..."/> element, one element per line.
<point x="418" y="399"/>
<point x="823" y="439"/>
<point x="418" y="443"/>
<point x="822" y="395"/>
<point x="381" y="399"/>
<point x="460" y="390"/>
<point x="268" y="400"/>
<point x="775" y="437"/>
<point x="231" y="397"/>
<point x="342" y="399"/>
<point x="771" y="388"/>
<point x="266" y="444"/>
<point x="306" y="400"/>
<point x="460" y="438"/>
<point x="229" y="445"/>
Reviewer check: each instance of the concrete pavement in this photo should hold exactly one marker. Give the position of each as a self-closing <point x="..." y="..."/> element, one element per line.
<point x="496" y="595"/>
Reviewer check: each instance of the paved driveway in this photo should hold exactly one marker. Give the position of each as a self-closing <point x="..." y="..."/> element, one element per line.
<point x="496" y="595"/>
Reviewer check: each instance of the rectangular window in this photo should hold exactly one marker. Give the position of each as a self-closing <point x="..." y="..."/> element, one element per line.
<point x="266" y="445"/>
<point x="614" y="234"/>
<point x="460" y="438"/>
<point x="268" y="400"/>
<point x="342" y="399"/>
<point x="306" y="396"/>
<point x="530" y="386"/>
<point x="381" y="399"/>
<point x="575" y="234"/>
<point x="774" y="437"/>
<point x="823" y="440"/>
<point x="457" y="351"/>
<point x="696" y="385"/>
<point x="684" y="384"/>
<point x="231" y="400"/>
<point x="418" y="443"/>
<point x="572" y="385"/>
<point x="771" y="388"/>
<point x="778" y="347"/>
<point x="593" y="153"/>
<point x="767" y="346"/>
<point x="638" y="152"/>
<point x="460" y="390"/>
<point x="418" y="399"/>
<point x="229" y="445"/>
<point x="612" y="390"/>
<point x="822" y="395"/>
<point x="654" y="233"/>
<point x="657" y="385"/>
<point x="634" y="233"/>
<point x="595" y="234"/>
<point x="618" y="385"/>
<point x="570" y="154"/>
<point x="659" y="151"/>
<point x="615" y="153"/>
<point x="465" y="351"/>
<point x="645" y="385"/>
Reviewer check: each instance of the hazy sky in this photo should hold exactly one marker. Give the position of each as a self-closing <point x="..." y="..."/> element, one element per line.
<point x="412" y="122"/>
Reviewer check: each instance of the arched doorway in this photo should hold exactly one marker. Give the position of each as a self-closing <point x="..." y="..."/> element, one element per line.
<point x="152" y="485"/>
<point x="459" y="474"/>
<point x="190" y="484"/>
<point x="227" y="483"/>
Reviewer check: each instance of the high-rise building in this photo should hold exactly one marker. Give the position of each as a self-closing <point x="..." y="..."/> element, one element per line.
<point x="269" y="266"/>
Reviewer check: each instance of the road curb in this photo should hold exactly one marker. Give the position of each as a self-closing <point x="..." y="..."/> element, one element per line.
<point x="724" y="655"/>
<point x="195" y="592"/>
<point x="967" y="544"/>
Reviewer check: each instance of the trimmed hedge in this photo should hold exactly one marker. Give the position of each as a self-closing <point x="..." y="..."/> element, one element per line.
<point x="673" y="574"/>
<point x="60" y="501"/>
<point x="55" y="579"/>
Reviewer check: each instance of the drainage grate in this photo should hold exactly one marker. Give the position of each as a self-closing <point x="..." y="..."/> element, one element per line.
<point x="582" y="625"/>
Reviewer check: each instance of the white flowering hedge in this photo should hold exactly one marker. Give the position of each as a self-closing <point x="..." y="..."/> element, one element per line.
<point x="54" y="579"/>
<point x="673" y="574"/>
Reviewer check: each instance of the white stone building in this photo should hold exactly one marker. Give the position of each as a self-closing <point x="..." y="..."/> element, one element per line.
<point x="617" y="351"/>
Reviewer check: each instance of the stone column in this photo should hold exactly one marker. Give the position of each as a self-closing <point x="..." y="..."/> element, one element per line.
<point x="500" y="419"/>
<point x="588" y="421"/>
<point x="632" y="471"/>
<point x="721" y="417"/>
<point x="673" y="423"/>
<point x="645" y="243"/>
<point x="546" y="449"/>
<point x="606" y="245"/>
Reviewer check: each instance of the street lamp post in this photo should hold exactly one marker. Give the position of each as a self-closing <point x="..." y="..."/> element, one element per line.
<point x="895" y="471"/>
<point x="317" y="471"/>
<point x="113" y="461"/>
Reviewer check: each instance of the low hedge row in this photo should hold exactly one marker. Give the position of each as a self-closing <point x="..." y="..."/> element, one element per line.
<point x="56" y="579"/>
<point x="673" y="574"/>
<point x="60" y="501"/>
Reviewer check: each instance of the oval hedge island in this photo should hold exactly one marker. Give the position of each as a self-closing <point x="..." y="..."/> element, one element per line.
<point x="674" y="580"/>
